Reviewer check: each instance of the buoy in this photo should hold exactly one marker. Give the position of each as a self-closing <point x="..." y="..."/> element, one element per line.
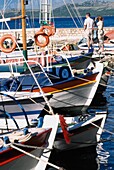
<point x="38" y="43"/>
<point x="49" y="30"/>
<point x="2" y="45"/>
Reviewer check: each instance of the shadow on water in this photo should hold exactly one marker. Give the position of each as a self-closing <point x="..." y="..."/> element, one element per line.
<point x="83" y="159"/>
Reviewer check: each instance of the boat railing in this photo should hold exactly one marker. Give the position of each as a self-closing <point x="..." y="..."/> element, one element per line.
<point x="34" y="76"/>
<point x="7" y="115"/>
<point x="35" y="67"/>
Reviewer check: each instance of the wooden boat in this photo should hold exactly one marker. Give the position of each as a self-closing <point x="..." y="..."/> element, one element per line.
<point x="10" y="158"/>
<point x="75" y="93"/>
<point x="76" y="62"/>
<point x="82" y="133"/>
<point x="17" y="104"/>
<point x="47" y="58"/>
<point x="74" y="132"/>
<point x="65" y="96"/>
<point x="27" y="148"/>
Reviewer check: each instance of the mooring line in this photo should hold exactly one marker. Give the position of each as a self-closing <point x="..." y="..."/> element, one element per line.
<point x="31" y="147"/>
<point x="35" y="157"/>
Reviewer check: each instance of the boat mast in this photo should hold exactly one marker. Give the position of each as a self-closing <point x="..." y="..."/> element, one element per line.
<point x="45" y="12"/>
<point x="23" y="3"/>
<point x="45" y="19"/>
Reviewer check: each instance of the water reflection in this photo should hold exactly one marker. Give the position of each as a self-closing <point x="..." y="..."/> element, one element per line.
<point x="103" y="155"/>
<point x="83" y="159"/>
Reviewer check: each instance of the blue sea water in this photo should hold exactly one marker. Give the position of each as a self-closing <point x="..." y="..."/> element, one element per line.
<point x="59" y="23"/>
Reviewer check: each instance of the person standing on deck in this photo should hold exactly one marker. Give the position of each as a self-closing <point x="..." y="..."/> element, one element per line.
<point x="88" y="28"/>
<point x="100" y="25"/>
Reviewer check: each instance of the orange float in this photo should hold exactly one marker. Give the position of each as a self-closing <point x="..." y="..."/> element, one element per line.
<point x="13" y="46"/>
<point x="38" y="43"/>
<point x="49" y="30"/>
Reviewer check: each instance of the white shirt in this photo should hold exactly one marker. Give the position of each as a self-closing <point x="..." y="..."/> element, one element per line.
<point x="100" y="25"/>
<point x="89" y="23"/>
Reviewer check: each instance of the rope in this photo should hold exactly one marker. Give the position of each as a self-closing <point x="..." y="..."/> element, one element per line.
<point x="35" y="157"/>
<point x="104" y="130"/>
<point x="78" y="14"/>
<point x="6" y="5"/>
<point x="32" y="147"/>
<point x="70" y="13"/>
<point x="39" y="103"/>
<point x="81" y="21"/>
<point x="19" y="86"/>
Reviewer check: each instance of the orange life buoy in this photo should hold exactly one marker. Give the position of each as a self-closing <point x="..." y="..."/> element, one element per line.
<point x="2" y="45"/>
<point x="49" y="30"/>
<point x="44" y="44"/>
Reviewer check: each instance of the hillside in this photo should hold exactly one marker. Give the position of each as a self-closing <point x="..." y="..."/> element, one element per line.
<point x="104" y="9"/>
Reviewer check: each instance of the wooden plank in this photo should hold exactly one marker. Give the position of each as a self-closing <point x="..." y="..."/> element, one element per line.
<point x="49" y="122"/>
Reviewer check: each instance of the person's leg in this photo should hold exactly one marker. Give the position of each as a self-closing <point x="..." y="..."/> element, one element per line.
<point x="88" y="42"/>
<point x="88" y="38"/>
<point x="92" y="36"/>
<point x="101" y="43"/>
<point x="102" y="49"/>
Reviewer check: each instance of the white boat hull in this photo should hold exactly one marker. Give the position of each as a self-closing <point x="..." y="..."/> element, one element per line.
<point x="76" y="99"/>
<point x="31" y="103"/>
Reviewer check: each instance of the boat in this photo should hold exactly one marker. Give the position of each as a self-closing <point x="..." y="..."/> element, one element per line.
<point x="83" y="131"/>
<point x="69" y="92"/>
<point x="52" y="61"/>
<point x="25" y="146"/>
<point x="77" y="62"/>
<point x="72" y="132"/>
<point x="15" y="145"/>
<point x="65" y="96"/>
<point x="74" y="94"/>
<point x="18" y="104"/>
<point x="108" y="42"/>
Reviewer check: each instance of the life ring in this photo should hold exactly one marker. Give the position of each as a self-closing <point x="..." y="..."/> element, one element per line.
<point x="39" y="43"/>
<point x="50" y="30"/>
<point x="12" y="84"/>
<point x="13" y="46"/>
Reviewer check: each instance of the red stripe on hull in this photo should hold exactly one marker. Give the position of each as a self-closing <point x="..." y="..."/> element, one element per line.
<point x="68" y="84"/>
<point x="11" y="154"/>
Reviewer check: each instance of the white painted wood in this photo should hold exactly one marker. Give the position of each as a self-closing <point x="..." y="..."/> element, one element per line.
<point x="51" y="122"/>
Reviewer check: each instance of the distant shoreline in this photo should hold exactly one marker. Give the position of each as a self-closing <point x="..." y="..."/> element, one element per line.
<point x="64" y="22"/>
